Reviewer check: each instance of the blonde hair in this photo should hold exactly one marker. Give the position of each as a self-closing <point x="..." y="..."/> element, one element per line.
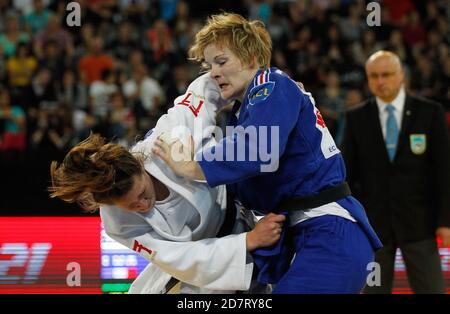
<point x="94" y="172"/>
<point x="246" y="39"/>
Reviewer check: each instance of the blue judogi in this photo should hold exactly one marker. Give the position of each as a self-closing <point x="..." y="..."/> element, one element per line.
<point x="308" y="162"/>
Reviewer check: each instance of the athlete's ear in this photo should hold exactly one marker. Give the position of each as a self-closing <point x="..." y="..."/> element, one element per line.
<point x="253" y="63"/>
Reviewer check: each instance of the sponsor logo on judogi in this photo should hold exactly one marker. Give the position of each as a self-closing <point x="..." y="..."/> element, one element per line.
<point x="260" y="92"/>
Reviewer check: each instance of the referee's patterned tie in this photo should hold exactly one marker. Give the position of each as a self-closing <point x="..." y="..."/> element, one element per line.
<point x="391" y="132"/>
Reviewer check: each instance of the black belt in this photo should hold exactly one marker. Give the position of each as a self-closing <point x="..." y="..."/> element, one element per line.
<point x="230" y="216"/>
<point x="170" y="284"/>
<point x="323" y="197"/>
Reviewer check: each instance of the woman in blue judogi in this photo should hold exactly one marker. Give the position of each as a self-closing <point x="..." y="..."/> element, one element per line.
<point x="279" y="157"/>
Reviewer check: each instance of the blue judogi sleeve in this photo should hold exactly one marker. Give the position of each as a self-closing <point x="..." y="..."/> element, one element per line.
<point x="268" y="114"/>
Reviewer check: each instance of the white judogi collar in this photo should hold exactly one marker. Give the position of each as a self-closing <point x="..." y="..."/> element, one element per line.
<point x="198" y="195"/>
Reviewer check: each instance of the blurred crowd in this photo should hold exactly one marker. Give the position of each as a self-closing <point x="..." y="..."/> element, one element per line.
<point x="123" y="67"/>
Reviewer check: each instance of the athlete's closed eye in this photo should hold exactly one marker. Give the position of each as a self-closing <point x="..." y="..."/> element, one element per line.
<point x="221" y="62"/>
<point x="135" y="204"/>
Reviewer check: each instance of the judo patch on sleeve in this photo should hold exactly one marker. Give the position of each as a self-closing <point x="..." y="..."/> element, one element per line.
<point x="260" y="93"/>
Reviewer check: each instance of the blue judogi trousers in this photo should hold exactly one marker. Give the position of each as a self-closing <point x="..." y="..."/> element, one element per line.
<point x="331" y="256"/>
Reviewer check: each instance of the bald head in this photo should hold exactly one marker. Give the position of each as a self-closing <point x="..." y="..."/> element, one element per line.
<point x="385" y="56"/>
<point x="385" y="75"/>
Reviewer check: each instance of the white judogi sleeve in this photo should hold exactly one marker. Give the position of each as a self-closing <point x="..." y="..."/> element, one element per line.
<point x="193" y="114"/>
<point x="213" y="263"/>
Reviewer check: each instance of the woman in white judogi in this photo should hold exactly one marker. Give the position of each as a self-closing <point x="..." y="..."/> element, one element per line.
<point x="170" y="221"/>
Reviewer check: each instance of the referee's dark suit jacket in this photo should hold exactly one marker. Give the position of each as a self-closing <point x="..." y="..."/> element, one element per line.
<point x="407" y="199"/>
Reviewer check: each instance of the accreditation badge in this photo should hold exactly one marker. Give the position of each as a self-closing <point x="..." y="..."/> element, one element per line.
<point x="418" y="143"/>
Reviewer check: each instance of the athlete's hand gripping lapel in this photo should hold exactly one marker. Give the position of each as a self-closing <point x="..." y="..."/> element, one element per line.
<point x="179" y="158"/>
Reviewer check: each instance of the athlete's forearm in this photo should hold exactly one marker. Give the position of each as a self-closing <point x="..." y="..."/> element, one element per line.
<point x="192" y="171"/>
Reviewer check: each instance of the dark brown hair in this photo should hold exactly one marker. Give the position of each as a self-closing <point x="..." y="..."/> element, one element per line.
<point x="94" y="173"/>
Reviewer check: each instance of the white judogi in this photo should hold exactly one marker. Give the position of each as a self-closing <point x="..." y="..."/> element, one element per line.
<point x="180" y="241"/>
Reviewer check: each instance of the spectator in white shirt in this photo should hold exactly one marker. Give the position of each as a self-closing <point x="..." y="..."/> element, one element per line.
<point x="146" y="94"/>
